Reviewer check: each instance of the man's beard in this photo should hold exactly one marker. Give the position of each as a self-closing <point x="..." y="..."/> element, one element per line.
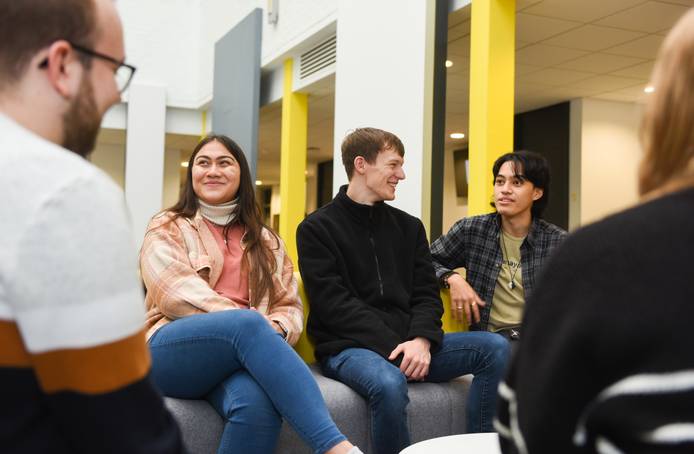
<point x="82" y="121"/>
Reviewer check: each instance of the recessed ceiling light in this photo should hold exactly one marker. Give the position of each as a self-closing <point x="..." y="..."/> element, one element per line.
<point x="449" y="63"/>
<point x="184" y="163"/>
<point x="258" y="182"/>
<point x="649" y="89"/>
<point x="457" y="135"/>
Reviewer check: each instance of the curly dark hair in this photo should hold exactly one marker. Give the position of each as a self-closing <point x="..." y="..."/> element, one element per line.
<point x="534" y="168"/>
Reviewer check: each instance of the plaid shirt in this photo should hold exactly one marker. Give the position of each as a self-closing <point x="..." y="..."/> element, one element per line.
<point x="181" y="262"/>
<point x="473" y="243"/>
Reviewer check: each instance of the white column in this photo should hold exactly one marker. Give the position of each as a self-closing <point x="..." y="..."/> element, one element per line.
<point x="144" y="154"/>
<point x="384" y="79"/>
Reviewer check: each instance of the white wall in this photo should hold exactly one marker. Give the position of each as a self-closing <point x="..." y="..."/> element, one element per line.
<point x="387" y="93"/>
<point x="144" y="155"/>
<point x="298" y="20"/>
<point x="609" y="157"/>
<point x="162" y="38"/>
<point x="172" y="41"/>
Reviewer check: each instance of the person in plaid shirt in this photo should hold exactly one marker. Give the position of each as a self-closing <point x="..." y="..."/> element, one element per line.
<point x="501" y="252"/>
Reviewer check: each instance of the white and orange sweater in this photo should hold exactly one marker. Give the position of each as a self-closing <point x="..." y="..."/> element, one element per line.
<point x="181" y="262"/>
<point x="73" y="360"/>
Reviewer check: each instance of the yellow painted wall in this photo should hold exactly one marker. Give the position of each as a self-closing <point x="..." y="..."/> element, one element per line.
<point x="492" y="70"/>
<point x="292" y="161"/>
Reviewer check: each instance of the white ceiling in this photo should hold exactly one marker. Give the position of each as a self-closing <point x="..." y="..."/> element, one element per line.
<point x="566" y="49"/>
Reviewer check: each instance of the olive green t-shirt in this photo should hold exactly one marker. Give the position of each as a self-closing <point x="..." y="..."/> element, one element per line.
<point x="507" y="307"/>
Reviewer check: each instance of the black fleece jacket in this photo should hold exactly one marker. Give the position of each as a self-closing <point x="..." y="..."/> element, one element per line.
<point x="368" y="276"/>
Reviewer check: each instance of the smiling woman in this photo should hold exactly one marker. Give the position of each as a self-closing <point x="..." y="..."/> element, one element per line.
<point x="215" y="174"/>
<point x="216" y="274"/>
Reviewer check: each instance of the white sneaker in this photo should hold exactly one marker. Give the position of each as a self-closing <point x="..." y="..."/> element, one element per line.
<point x="355" y="450"/>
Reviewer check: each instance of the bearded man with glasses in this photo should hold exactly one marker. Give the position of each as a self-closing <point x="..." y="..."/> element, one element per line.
<point x="74" y="366"/>
<point x="83" y="119"/>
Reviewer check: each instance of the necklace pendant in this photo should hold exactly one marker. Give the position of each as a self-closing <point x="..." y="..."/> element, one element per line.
<point x="511" y="285"/>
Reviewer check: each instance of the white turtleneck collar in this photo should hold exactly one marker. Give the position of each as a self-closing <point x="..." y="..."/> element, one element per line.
<point x="219" y="214"/>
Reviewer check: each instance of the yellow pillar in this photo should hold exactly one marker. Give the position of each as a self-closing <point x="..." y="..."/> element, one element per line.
<point x="304" y="347"/>
<point x="450" y="325"/>
<point x="293" y="161"/>
<point x="203" y="124"/>
<point x="492" y="71"/>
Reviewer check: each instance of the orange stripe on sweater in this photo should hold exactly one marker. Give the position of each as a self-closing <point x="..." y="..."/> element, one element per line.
<point x="12" y="351"/>
<point x="94" y="370"/>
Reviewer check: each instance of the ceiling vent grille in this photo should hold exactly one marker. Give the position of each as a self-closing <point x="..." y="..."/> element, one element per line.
<point x="318" y="57"/>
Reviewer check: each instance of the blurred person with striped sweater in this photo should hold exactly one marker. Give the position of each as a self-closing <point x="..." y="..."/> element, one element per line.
<point x="605" y="362"/>
<point x="74" y="365"/>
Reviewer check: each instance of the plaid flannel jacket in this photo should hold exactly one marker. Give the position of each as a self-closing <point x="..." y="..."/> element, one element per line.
<point x="473" y="243"/>
<point x="180" y="263"/>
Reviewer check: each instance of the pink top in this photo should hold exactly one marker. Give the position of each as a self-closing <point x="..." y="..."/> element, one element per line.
<point x="233" y="282"/>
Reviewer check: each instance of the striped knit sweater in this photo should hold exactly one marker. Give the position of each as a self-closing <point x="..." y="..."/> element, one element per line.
<point x="605" y="363"/>
<point x="73" y="360"/>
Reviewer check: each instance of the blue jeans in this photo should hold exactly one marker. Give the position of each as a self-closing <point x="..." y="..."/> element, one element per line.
<point x="384" y="386"/>
<point x="249" y="374"/>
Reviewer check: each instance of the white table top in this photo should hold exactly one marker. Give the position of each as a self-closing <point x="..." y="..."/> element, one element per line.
<point x="484" y="443"/>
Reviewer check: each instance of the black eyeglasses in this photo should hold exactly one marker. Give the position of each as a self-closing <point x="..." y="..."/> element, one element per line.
<point x="124" y="72"/>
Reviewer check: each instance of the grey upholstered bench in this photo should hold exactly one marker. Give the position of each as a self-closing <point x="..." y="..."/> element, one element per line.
<point x="435" y="410"/>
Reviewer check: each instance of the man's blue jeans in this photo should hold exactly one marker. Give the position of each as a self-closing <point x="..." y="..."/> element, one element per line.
<point x="384" y="386"/>
<point x="249" y="374"/>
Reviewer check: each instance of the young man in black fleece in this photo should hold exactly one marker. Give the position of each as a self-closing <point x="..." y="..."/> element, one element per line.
<point x="375" y="309"/>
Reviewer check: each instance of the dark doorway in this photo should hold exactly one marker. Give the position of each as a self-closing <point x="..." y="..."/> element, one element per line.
<point x="546" y="131"/>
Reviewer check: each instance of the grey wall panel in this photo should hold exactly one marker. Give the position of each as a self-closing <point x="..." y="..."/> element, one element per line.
<point x="236" y="86"/>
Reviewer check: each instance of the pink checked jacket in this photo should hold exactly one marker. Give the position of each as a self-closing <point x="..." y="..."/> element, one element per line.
<point x="180" y="263"/>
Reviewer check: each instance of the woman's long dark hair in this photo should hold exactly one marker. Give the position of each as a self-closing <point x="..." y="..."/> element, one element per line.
<point x="248" y="214"/>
